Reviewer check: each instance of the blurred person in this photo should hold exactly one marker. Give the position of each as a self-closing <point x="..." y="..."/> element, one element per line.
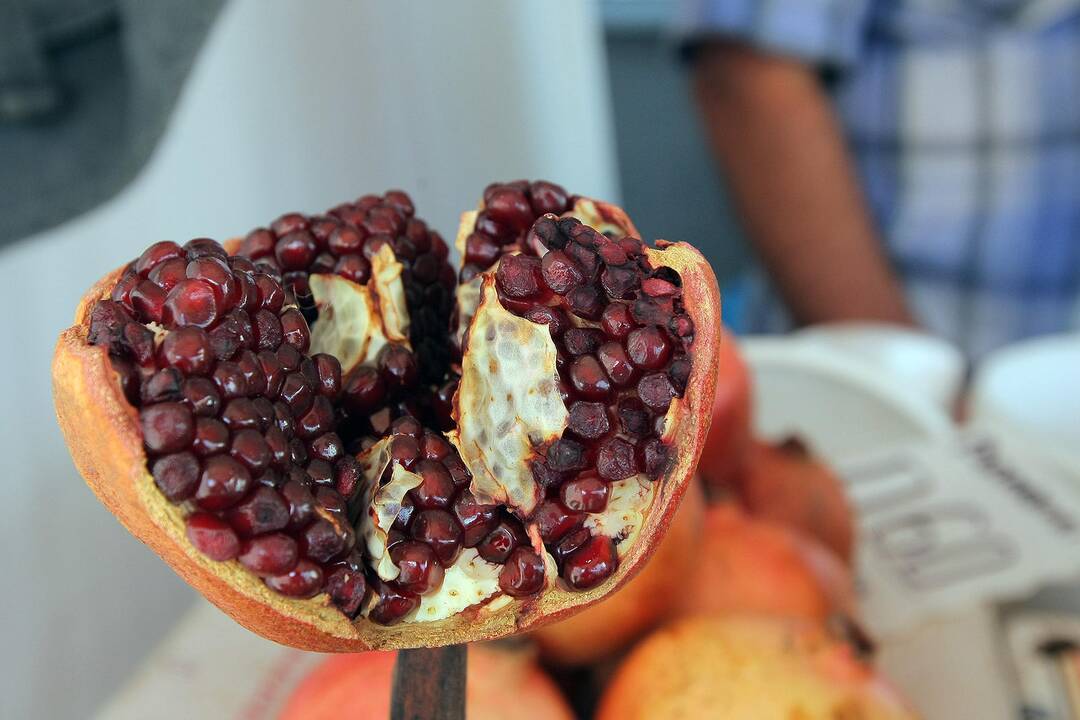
<point x="901" y="161"/>
<point x="123" y="122"/>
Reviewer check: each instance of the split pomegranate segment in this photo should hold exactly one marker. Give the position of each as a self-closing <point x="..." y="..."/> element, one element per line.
<point x="301" y="405"/>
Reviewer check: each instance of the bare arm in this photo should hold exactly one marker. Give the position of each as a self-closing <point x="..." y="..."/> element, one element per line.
<point x="778" y="143"/>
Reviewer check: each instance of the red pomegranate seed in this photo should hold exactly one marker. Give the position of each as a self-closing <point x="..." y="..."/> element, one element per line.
<point x="167" y="427"/>
<point x="420" y="571"/>
<point x="656" y="391"/>
<point x="553" y="520"/>
<point x="586" y="493"/>
<point x="249" y="447"/>
<point x="324" y="540"/>
<point x="156" y="254"/>
<point x="217" y="272"/>
<point x="295" y="330"/>
<point x="187" y="349"/>
<point x="347" y="477"/>
<point x="295" y="250"/>
<point x="560" y="272"/>
<point x="476" y="520"/>
<point x="612" y="253"/>
<point x="168" y="273"/>
<point x="303" y="581"/>
<point x="566" y="455"/>
<point x="364" y="390"/>
<point x="212" y="536"/>
<point x="204" y="247"/>
<point x="176" y="475"/>
<point x="509" y="207"/>
<point x="261" y="512"/>
<point x="546" y="197"/>
<point x="346" y="588"/>
<point x="619" y="282"/>
<point x="272" y="554"/>
<point x="585" y="302"/>
<point x="434" y="446"/>
<point x="517" y="276"/>
<point x="211" y="437"/>
<point x="581" y="341"/>
<point x="588" y="420"/>
<point x="633" y="417"/>
<point x="161" y="386"/>
<point x="615" y="459"/>
<point x="481" y="250"/>
<point x="617" y="320"/>
<point x="437" y="489"/>
<point x="648" y="347"/>
<point x="593" y="563"/>
<point x="397" y="365"/>
<point x="300" y="501"/>
<point x="327" y="447"/>
<point x="267" y="330"/>
<point x="223" y="482"/>
<point x="393" y="604"/>
<point x="496" y="546"/>
<point x="318" y="420"/>
<point x="191" y="303"/>
<point x="523" y="573"/>
<point x="589" y="379"/>
<point x="149" y="301"/>
<point x="656" y="287"/>
<point x="569" y="545"/>
<point x="122" y="292"/>
<point x="240" y="413"/>
<point x="258" y="244"/>
<point x="440" y="530"/>
<point x="616" y="363"/>
<point x="653" y="457"/>
<point x="554" y="318"/>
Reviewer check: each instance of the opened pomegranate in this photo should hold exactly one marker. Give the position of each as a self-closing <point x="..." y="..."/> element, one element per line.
<point x="287" y="432"/>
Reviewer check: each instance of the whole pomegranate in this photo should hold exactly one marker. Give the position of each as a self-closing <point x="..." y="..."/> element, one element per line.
<point x="786" y="484"/>
<point x="766" y="668"/>
<point x="294" y="428"/>
<point x="726" y="450"/>
<point x="746" y="565"/>
<point x="498" y="684"/>
<point x="611" y="625"/>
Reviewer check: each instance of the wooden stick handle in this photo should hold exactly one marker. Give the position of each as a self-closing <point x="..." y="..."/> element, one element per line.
<point x="429" y="683"/>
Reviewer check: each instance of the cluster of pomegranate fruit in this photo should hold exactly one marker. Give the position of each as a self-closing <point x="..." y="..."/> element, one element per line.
<point x="292" y="401"/>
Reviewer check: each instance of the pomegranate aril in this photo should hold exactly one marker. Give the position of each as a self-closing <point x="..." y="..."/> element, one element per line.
<point x="261" y="512"/>
<point x="397" y="365"/>
<point x="347" y="477"/>
<point x="518" y="276"/>
<point x="585" y="302"/>
<point x="588" y="378"/>
<point x="167" y="427"/>
<point x="546" y="197"/>
<point x="393" y="603"/>
<point x="303" y="581"/>
<point x="633" y="417"/>
<point x="295" y="330"/>
<point x="656" y="391"/>
<point x="591" y="564"/>
<point x="258" y="244"/>
<point x="212" y="536"/>
<point x="161" y="386"/>
<point x="364" y="390"/>
<point x="323" y="540"/>
<point x="586" y="493"/>
<point x="456" y="467"/>
<point x="240" y="413"/>
<point x="616" y="363"/>
<point x="327" y="447"/>
<point x="121" y="294"/>
<point x="156" y="254"/>
<point x="149" y="301"/>
<point x="553" y="520"/>
<point x="420" y="571"/>
<point x="619" y="282"/>
<point x="272" y="554"/>
<point x="107" y="322"/>
<point x="569" y="545"/>
<point x="509" y="207"/>
<point x="300" y="501"/>
<point x="222" y="483"/>
<point x="679" y="372"/>
<point x="615" y="459"/>
<point x="658" y="287"/>
<point x="496" y="546"/>
<point x="407" y="425"/>
<point x="204" y="247"/>
<point x="211" y="437"/>
<point x="267" y="330"/>
<point x="295" y="250"/>
<point x="588" y="420"/>
<point x="653" y="457"/>
<point x="249" y="447"/>
<point x="648" y="347"/>
<point x="561" y="273"/>
<point x="297" y="394"/>
<point x="169" y="273"/>
<point x="328" y="370"/>
<point x="176" y="475"/>
<point x="581" y="341"/>
<point x="554" y="318"/>
<point x="346" y="587"/>
<point x="434" y="447"/>
<point x="440" y="530"/>
<point x="219" y="275"/>
<point x="523" y="573"/>
<point x="476" y="519"/>
<point x="191" y="303"/>
<point x="188" y="350"/>
<point x="437" y="489"/>
<point x="617" y="320"/>
<point x="320" y="472"/>
<point x="565" y="455"/>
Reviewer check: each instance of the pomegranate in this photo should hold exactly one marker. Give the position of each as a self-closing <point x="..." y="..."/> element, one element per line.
<point x="358" y="686"/>
<point x="275" y="425"/>
<point x="745" y="565"/>
<point x="786" y="484"/>
<point x="611" y="625"/>
<point x="749" y="667"/>
<point x="728" y="445"/>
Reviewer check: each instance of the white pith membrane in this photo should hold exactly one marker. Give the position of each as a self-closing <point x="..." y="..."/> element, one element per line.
<point x="508" y="408"/>
<point x="356" y="321"/>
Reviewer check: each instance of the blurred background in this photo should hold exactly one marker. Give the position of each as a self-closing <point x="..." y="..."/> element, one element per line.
<point x="123" y="123"/>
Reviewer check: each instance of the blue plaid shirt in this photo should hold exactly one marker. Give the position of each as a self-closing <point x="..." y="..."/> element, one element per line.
<point x="963" y="117"/>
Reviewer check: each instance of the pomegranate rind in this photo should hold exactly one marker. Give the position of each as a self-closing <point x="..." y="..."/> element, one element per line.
<point x="103" y="436"/>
